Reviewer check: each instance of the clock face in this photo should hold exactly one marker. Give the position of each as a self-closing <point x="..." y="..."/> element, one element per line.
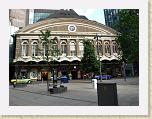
<point x="72" y="28"/>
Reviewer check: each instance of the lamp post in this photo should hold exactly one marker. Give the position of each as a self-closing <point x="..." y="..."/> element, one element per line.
<point x="97" y="36"/>
<point x="99" y="58"/>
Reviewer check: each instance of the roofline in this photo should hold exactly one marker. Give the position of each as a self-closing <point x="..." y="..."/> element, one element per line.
<point x="56" y="20"/>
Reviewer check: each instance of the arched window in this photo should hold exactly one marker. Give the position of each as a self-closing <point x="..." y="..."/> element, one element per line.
<point x="81" y="48"/>
<point x="54" y="48"/>
<point x="44" y="46"/>
<point x="54" y="45"/>
<point x="115" y="47"/>
<point x="107" y="48"/>
<point x="64" y="48"/>
<point x="24" y="50"/>
<point x="99" y="48"/>
<point x="34" y="49"/>
<point x="72" y="49"/>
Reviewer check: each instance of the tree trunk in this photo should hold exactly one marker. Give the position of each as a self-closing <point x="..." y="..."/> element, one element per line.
<point x="124" y="70"/>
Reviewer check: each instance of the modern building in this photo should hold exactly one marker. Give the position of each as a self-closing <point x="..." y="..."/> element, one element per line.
<point x="18" y="18"/>
<point x="42" y="14"/>
<point x="68" y="35"/>
<point x="111" y="16"/>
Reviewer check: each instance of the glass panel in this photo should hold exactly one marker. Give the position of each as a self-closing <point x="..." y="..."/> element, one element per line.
<point x="64" y="48"/>
<point x="72" y="49"/>
<point x="34" y="49"/>
<point x="24" y="49"/>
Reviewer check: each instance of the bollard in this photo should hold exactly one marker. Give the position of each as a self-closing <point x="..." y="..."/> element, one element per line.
<point x="94" y="83"/>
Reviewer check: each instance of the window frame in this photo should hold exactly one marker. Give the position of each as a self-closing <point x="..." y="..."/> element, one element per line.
<point x="24" y="48"/>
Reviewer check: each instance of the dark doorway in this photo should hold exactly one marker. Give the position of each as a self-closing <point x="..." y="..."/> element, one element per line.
<point x="44" y="75"/>
<point x="74" y="75"/>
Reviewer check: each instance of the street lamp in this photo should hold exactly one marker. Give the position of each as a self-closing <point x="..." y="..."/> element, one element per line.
<point x="100" y="76"/>
<point x="97" y="36"/>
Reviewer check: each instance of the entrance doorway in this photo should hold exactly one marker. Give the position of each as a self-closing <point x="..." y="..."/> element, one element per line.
<point x="44" y="75"/>
<point x="74" y="74"/>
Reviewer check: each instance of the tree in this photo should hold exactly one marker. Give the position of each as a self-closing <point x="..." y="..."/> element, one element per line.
<point x="50" y="50"/>
<point x="89" y="62"/>
<point x="128" y="40"/>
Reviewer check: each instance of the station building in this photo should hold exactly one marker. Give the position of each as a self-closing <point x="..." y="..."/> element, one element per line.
<point x="68" y="34"/>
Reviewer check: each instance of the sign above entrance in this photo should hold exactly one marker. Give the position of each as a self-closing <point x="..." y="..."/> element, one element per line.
<point x="72" y="28"/>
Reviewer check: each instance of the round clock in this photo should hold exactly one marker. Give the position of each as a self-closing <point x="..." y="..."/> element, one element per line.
<point x="72" y="28"/>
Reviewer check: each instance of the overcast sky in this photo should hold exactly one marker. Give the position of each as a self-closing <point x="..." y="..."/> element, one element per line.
<point x="92" y="14"/>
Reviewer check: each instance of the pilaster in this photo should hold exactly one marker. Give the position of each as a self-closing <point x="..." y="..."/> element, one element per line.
<point x="30" y="47"/>
<point x="18" y="48"/>
<point x="68" y="47"/>
<point x="103" y="46"/>
<point x="79" y="74"/>
<point x="111" y="47"/>
<point x="77" y="47"/>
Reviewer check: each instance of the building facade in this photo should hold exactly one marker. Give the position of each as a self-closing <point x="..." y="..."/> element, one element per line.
<point x="19" y="17"/>
<point x="111" y="16"/>
<point x="68" y="35"/>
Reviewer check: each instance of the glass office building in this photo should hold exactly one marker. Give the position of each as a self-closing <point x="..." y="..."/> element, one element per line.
<point x="111" y="16"/>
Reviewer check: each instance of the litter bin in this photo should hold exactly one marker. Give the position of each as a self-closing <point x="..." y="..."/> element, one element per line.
<point x="94" y="83"/>
<point x="64" y="79"/>
<point x="107" y="94"/>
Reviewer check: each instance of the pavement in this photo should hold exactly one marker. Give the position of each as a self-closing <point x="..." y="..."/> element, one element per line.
<point x="79" y="93"/>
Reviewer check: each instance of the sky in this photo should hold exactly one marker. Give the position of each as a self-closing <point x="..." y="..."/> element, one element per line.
<point x="92" y="14"/>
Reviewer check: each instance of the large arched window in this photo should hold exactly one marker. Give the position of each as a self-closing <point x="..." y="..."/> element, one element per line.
<point x="64" y="48"/>
<point x="44" y="46"/>
<point x="81" y="49"/>
<point x="34" y="49"/>
<point x="72" y="49"/>
<point x="99" y="48"/>
<point x="107" y="47"/>
<point x="114" y="47"/>
<point x="24" y="50"/>
<point x="54" y="48"/>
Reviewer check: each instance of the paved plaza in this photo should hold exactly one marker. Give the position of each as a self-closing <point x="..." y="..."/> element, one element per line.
<point x="79" y="93"/>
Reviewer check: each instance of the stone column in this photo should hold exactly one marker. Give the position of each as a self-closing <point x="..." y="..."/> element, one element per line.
<point x="39" y="47"/>
<point x="18" y="48"/>
<point x="95" y="46"/>
<point x="58" y="43"/>
<point x="77" y="47"/>
<point x="68" y="47"/>
<point x="111" y="47"/>
<point x="30" y="47"/>
<point x="39" y="75"/>
<point x="103" y="47"/>
<point x="79" y="74"/>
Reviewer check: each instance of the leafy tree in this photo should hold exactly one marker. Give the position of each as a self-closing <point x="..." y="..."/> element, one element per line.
<point x="50" y="51"/>
<point x="128" y="40"/>
<point x="89" y="62"/>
